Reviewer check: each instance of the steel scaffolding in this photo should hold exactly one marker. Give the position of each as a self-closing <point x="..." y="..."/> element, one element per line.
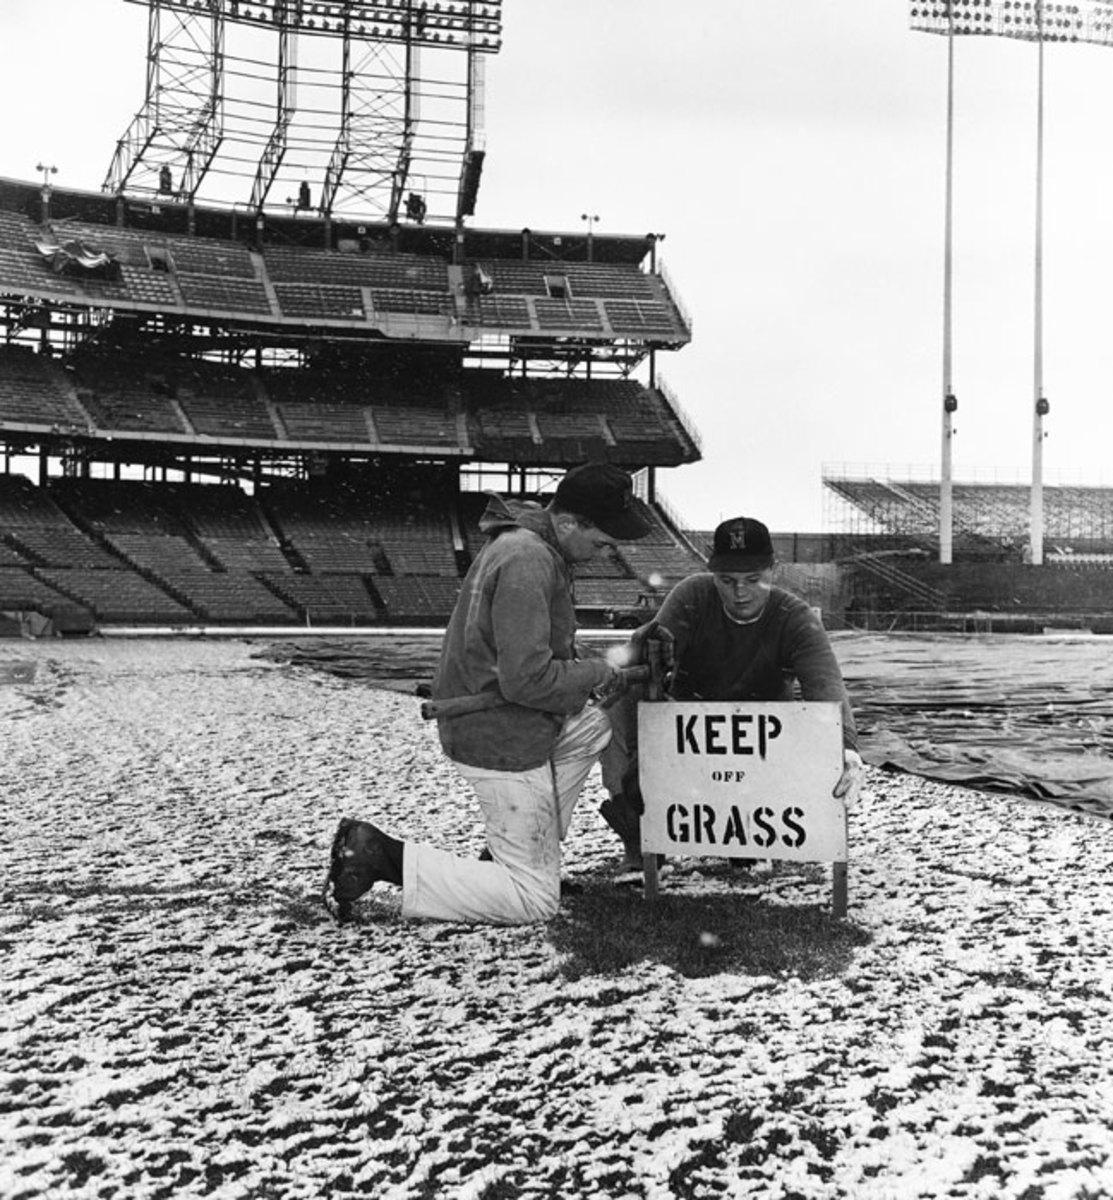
<point x="342" y="107"/>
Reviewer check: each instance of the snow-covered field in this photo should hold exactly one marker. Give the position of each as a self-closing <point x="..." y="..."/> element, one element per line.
<point x="180" y="1018"/>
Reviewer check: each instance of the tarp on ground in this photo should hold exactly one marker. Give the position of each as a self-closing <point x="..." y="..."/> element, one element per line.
<point x="1028" y="715"/>
<point x="1023" y="714"/>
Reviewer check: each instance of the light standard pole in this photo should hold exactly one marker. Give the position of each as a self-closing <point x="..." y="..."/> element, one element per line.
<point x="591" y="219"/>
<point x="46" y="169"/>
<point x="1084" y="21"/>
<point x="950" y="403"/>
<point x="1035" y="515"/>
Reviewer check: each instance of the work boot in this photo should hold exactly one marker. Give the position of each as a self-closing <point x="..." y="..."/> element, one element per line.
<point x="361" y="855"/>
<point x="625" y="822"/>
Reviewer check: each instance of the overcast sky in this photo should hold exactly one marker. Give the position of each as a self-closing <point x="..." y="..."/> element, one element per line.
<point x="793" y="155"/>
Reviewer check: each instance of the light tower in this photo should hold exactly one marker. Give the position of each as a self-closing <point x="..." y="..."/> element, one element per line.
<point x="1032" y="21"/>
<point x="366" y="96"/>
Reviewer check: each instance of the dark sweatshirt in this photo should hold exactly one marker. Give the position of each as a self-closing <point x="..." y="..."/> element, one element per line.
<point x="720" y="659"/>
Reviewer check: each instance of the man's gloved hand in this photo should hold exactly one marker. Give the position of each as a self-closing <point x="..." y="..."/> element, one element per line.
<point x="616" y="685"/>
<point x="656" y="641"/>
<point x="850" y="781"/>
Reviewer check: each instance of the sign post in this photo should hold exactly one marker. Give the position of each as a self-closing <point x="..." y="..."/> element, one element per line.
<point x="732" y="779"/>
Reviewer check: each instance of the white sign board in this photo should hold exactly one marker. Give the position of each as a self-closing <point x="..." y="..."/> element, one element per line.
<point x="742" y="779"/>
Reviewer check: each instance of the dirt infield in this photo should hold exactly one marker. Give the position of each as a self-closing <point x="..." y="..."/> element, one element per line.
<point x="178" y="1017"/>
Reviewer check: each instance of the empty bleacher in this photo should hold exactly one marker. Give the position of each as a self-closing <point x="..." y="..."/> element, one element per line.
<point x="222" y="401"/>
<point x="118" y="596"/>
<point x="208" y="292"/>
<point x="319" y="406"/>
<point x="209" y="256"/>
<point x="648" y="319"/>
<point x="220" y="258"/>
<point x="584" y="280"/>
<point x="188" y="553"/>
<point x="352" y="285"/>
<point x="35" y="390"/>
<point x="32" y="524"/>
<point x="320" y="301"/>
<point x="143" y="260"/>
<point x="573" y="420"/>
<point x="10" y="557"/>
<point x="500" y="312"/>
<point x="562" y="315"/>
<point x="21" y="591"/>
<point x="1075" y="518"/>
<point x="561" y="297"/>
<point x="410" y="597"/>
<point x="329" y="533"/>
<point x="173" y="537"/>
<point x="416" y="426"/>
<point x="412" y="301"/>
<point x="376" y="269"/>
<point x="21" y="264"/>
<point x="660" y="559"/>
<point x="611" y="281"/>
<point x="415" y="541"/>
<point x="226" y="596"/>
<point x="62" y="546"/>
<point x="326" y="599"/>
<point x="229" y="528"/>
<point x="121" y="395"/>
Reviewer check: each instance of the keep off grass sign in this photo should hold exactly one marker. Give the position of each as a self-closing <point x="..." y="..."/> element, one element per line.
<point x="731" y="779"/>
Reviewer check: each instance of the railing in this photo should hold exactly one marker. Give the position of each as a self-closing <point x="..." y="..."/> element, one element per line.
<point x="686" y="422"/>
<point x="676" y="524"/>
<point x="675" y="297"/>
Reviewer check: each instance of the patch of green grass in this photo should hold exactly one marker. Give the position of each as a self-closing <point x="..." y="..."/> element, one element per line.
<point x="605" y="930"/>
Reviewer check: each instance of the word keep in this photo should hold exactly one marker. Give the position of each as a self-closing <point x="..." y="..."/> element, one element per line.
<point x="720" y="733"/>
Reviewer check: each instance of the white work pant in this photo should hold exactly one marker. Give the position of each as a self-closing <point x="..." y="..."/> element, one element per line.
<point x="527" y="814"/>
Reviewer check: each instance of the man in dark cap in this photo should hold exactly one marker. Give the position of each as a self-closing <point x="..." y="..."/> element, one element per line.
<point x="730" y="634"/>
<point x="526" y="752"/>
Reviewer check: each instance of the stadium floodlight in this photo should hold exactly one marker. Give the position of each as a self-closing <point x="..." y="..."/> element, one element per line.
<point x="475" y="24"/>
<point x="387" y="91"/>
<point x="592" y="220"/>
<point x="1026" y="20"/>
<point x="1088" y="21"/>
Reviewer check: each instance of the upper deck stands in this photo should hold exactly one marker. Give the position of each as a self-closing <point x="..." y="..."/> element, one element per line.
<point x="380" y="269"/>
<point x="321" y="301"/>
<point x="477" y="413"/>
<point x="368" y="284"/>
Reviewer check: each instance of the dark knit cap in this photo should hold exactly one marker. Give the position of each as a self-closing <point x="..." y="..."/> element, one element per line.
<point x="604" y="495"/>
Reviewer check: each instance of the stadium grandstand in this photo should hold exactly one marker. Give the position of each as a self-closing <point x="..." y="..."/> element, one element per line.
<point x="222" y="409"/>
<point x="256" y="414"/>
<point x="884" y="535"/>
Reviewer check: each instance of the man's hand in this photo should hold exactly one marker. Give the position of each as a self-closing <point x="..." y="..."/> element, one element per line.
<point x="850" y="781"/>
<point x="616" y="685"/>
<point x="651" y="644"/>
